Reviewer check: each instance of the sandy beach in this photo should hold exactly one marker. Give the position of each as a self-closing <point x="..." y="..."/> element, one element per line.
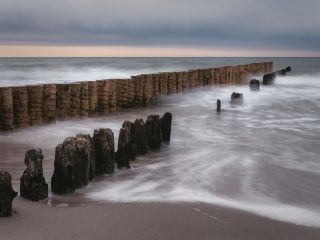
<point x="31" y="220"/>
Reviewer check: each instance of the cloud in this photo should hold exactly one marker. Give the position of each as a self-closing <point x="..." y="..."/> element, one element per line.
<point x="257" y="24"/>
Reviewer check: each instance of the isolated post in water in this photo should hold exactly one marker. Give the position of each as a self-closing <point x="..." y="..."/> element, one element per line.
<point x="7" y="194"/>
<point x="166" y="122"/>
<point x="236" y="98"/>
<point x="33" y="186"/>
<point x="269" y="78"/>
<point x="254" y="85"/>
<point x="103" y="140"/>
<point x="218" y="105"/>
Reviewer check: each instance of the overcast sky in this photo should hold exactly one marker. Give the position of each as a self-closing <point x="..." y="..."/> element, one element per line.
<point x="221" y="27"/>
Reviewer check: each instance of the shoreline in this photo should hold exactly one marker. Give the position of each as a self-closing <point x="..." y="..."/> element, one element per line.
<point x="32" y="220"/>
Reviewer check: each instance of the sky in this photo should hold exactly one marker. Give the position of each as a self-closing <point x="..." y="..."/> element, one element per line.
<point x="179" y="28"/>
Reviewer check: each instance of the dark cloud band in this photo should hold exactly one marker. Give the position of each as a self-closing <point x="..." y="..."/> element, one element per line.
<point x="284" y="24"/>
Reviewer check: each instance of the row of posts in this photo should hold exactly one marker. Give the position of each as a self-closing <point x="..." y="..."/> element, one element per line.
<point x="22" y="106"/>
<point x="82" y="157"/>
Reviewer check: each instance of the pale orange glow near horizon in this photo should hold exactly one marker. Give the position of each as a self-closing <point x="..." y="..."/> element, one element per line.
<point x="129" y="51"/>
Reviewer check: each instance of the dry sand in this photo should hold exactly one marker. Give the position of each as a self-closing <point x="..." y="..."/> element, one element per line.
<point x="32" y="220"/>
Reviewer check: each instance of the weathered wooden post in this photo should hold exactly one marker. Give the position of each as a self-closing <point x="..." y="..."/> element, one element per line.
<point x="133" y="144"/>
<point x="166" y="121"/>
<point x="254" y="85"/>
<point x="217" y="75"/>
<point x="103" y="140"/>
<point x="155" y="85"/>
<point x="71" y="165"/>
<point x="163" y="84"/>
<point x="84" y="99"/>
<point x="91" y="155"/>
<point x="138" y="90"/>
<point x="236" y="98"/>
<point x="7" y="194"/>
<point x="33" y="186"/>
<point x="193" y="78"/>
<point x="269" y="78"/>
<point x="63" y="101"/>
<point x="223" y="75"/>
<point x="6" y="109"/>
<point x="228" y="73"/>
<point x="130" y="94"/>
<point x="35" y="104"/>
<point x="124" y="149"/>
<point x="197" y="80"/>
<point x="218" y="105"/>
<point x="207" y="76"/>
<point x="154" y="132"/>
<point x="141" y="136"/>
<point x="20" y="106"/>
<point x="103" y="91"/>
<point x="211" y="76"/>
<point x="93" y="98"/>
<point x="113" y="95"/>
<point x="185" y="83"/>
<point x="49" y="107"/>
<point x="147" y="89"/>
<point x="75" y="91"/>
<point x="179" y="77"/>
<point x="121" y="90"/>
<point x="172" y="86"/>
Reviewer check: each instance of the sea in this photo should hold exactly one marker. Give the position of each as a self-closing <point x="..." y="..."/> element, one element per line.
<point x="262" y="156"/>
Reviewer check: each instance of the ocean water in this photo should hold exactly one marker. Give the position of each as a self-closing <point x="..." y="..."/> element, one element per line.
<point x="23" y="71"/>
<point x="262" y="156"/>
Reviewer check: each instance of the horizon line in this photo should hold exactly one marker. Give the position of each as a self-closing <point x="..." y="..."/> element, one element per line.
<point x="27" y="51"/>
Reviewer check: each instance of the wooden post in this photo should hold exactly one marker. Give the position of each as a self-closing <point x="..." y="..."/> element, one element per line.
<point x="113" y="95"/>
<point x="93" y="98"/>
<point x="172" y="86"/>
<point x="63" y="101"/>
<point x="155" y="83"/>
<point x="84" y="99"/>
<point x="49" y="98"/>
<point x="6" y="109"/>
<point x="138" y="89"/>
<point x="103" y="89"/>
<point x="7" y="194"/>
<point x="163" y="83"/>
<point x="75" y="91"/>
<point x="20" y="106"/>
<point x="179" y="77"/>
<point x="147" y="88"/>
<point x="35" y="104"/>
<point x="218" y="105"/>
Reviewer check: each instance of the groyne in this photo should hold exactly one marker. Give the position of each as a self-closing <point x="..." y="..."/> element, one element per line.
<point x="37" y="104"/>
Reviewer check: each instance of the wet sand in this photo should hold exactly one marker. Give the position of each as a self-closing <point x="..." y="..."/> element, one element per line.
<point x="32" y="220"/>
